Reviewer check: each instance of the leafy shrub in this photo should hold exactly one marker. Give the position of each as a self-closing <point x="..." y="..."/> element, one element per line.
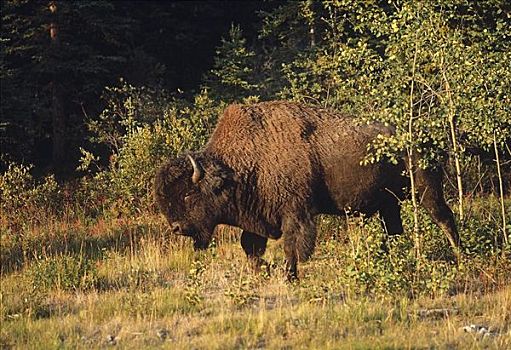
<point x="21" y="194"/>
<point x="481" y="233"/>
<point x="371" y="268"/>
<point x="143" y="128"/>
<point x="64" y="273"/>
<point x="194" y="284"/>
<point x="242" y="291"/>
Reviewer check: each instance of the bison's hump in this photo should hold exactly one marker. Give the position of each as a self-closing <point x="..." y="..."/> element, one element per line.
<point x="283" y="147"/>
<point x="286" y="127"/>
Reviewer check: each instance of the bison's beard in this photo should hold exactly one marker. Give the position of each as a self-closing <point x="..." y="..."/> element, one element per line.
<point x="200" y="244"/>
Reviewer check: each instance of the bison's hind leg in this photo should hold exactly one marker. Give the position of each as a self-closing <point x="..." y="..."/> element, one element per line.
<point x="299" y="234"/>
<point x="390" y="213"/>
<point x="430" y="191"/>
<point x="254" y="246"/>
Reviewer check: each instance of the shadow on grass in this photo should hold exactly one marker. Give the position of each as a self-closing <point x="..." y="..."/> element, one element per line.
<point x="125" y="238"/>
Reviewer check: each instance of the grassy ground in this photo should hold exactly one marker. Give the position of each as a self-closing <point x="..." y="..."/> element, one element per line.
<point x="125" y="283"/>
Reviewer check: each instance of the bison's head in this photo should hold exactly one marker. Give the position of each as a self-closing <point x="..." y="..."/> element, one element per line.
<point x="194" y="193"/>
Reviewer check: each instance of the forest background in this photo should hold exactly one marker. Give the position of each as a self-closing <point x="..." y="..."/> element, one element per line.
<point x="95" y="95"/>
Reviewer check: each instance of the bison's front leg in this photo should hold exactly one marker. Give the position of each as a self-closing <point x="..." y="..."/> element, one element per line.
<point x="254" y="246"/>
<point x="299" y="242"/>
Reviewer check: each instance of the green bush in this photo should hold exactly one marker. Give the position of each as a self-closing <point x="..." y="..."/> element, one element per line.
<point x="370" y="267"/>
<point x="21" y="194"/>
<point x="143" y="128"/>
<point x="63" y="273"/>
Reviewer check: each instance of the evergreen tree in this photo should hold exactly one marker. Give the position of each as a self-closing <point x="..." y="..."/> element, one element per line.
<point x="232" y="77"/>
<point x="56" y="59"/>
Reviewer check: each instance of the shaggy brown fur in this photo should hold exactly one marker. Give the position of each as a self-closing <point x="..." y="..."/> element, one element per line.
<point x="269" y="168"/>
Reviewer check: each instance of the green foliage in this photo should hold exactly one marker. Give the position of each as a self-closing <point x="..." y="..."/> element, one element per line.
<point x="242" y="291"/>
<point x="65" y="272"/>
<point x="356" y="260"/>
<point x="368" y="55"/>
<point x="232" y="77"/>
<point x="428" y="71"/>
<point x="360" y="263"/>
<point x="143" y="127"/>
<point x="21" y="194"/>
<point x="194" y="283"/>
<point x="481" y="231"/>
<point x="338" y="71"/>
<point x="126" y="108"/>
<point x="371" y="269"/>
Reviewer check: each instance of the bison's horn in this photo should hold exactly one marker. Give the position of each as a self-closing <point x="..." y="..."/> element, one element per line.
<point x="197" y="170"/>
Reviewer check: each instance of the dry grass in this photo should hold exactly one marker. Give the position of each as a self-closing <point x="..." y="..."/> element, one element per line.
<point x="143" y="289"/>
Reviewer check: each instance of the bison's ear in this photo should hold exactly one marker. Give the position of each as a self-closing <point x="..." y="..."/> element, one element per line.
<point x="198" y="172"/>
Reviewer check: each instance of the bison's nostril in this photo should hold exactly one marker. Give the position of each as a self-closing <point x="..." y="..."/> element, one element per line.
<point x="175" y="227"/>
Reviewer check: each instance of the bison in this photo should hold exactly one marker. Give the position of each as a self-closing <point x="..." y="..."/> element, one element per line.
<point x="269" y="168"/>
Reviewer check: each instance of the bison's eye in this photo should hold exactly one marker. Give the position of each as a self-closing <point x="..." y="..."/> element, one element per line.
<point x="187" y="198"/>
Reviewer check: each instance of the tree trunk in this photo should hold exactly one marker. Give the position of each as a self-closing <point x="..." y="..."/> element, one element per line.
<point x="501" y="190"/>
<point x="57" y="101"/>
<point x="455" y="147"/>
<point x="411" y="171"/>
<point x="459" y="180"/>
<point x="59" y="126"/>
<point x="309" y="13"/>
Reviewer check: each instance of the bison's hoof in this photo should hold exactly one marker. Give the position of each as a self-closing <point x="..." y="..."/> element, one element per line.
<point x="259" y="266"/>
<point x="292" y="277"/>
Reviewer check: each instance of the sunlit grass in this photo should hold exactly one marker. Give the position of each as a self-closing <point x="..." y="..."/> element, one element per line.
<point x="142" y="288"/>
